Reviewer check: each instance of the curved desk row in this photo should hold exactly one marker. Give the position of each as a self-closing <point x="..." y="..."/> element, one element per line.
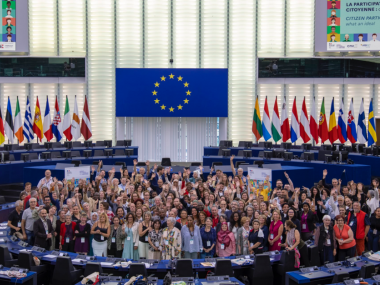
<point x="17" y="153"/>
<point x="358" y="158"/>
<point x="356" y="172"/>
<point x="13" y="172"/>
<point x="161" y="282"/>
<point x="351" y="268"/>
<point x="239" y="263"/>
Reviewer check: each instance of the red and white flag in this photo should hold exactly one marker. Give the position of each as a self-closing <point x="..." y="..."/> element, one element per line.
<point x="304" y="124"/>
<point x="314" y="122"/>
<point x="285" y="122"/>
<point x="85" y="127"/>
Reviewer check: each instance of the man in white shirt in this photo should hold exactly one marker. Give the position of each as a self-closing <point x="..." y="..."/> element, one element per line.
<point x="46" y="181"/>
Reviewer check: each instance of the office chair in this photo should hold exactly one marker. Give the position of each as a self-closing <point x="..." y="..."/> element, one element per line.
<point x="196" y="164"/>
<point x="166" y="161"/>
<point x="25" y="260"/>
<point x="339" y="277"/>
<point x="314" y="256"/>
<point x="216" y="163"/>
<point x="55" y="154"/>
<point x="120" y="152"/>
<point x="33" y="155"/>
<point x="6" y="258"/>
<point x="98" y="152"/>
<point x="57" y="145"/>
<point x="92" y="267"/>
<point x="136" y="269"/>
<point x="223" y="267"/>
<point x="262" y="271"/>
<point x="65" y="273"/>
<point x="141" y="164"/>
<point x="121" y="163"/>
<point x="367" y="271"/>
<point x="77" y="144"/>
<point x="76" y="163"/>
<point x="286" y="264"/>
<point x="322" y="153"/>
<point x="99" y="143"/>
<point x="15" y="146"/>
<point x="184" y="268"/>
<point x="75" y="153"/>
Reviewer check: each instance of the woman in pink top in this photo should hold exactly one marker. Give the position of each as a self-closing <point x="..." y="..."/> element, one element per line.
<point x="275" y="231"/>
<point x="225" y="242"/>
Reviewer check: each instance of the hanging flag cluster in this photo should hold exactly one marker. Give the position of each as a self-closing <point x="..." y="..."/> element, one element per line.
<point x="44" y="127"/>
<point x="317" y="127"/>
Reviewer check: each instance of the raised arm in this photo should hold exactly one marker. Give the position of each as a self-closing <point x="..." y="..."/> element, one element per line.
<point x="232" y="165"/>
<point x="289" y="181"/>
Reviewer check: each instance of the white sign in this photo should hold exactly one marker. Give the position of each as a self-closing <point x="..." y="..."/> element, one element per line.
<point x="82" y="172"/>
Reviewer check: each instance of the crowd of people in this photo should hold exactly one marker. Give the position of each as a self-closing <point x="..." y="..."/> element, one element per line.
<point x="157" y="214"/>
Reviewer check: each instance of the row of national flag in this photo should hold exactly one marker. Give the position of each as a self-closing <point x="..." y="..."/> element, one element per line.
<point x="315" y="128"/>
<point x="68" y="125"/>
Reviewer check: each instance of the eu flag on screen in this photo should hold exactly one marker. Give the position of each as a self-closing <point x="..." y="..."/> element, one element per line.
<point x="164" y="92"/>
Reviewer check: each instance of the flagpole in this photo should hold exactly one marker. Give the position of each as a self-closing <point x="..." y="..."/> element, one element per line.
<point x="65" y="111"/>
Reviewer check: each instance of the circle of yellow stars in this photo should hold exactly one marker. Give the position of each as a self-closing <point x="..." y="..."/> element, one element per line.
<point x="185" y="85"/>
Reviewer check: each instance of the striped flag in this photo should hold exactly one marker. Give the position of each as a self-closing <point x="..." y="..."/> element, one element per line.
<point x="362" y="130"/>
<point x="256" y="123"/>
<point x="8" y="128"/>
<point x="304" y="123"/>
<point x="75" y="123"/>
<point x="372" y="137"/>
<point x="37" y="124"/>
<point x="276" y="125"/>
<point x="19" y="134"/>
<point x="2" y="134"/>
<point x="85" y="128"/>
<point x="295" y="125"/>
<point x="47" y="122"/>
<point x="323" y="131"/>
<point x="28" y="123"/>
<point x="314" y="121"/>
<point x="333" y="134"/>
<point x="67" y="122"/>
<point x="56" y="127"/>
<point x="266" y="122"/>
<point x="351" y="127"/>
<point x="342" y="131"/>
<point x="285" y="122"/>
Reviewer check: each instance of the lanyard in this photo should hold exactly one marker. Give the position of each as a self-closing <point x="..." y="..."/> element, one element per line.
<point x="191" y="233"/>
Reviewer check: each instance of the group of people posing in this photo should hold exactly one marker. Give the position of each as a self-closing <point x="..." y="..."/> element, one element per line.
<point x="157" y="214"/>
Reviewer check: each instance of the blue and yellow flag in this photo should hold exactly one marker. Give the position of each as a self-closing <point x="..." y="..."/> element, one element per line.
<point x="171" y="92"/>
<point x="333" y="132"/>
<point x="372" y="137"/>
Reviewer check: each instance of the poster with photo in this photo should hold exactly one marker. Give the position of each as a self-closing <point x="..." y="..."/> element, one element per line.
<point x="261" y="181"/>
<point x="8" y="32"/>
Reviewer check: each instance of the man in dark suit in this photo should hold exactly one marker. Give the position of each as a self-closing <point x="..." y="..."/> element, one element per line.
<point x="43" y="231"/>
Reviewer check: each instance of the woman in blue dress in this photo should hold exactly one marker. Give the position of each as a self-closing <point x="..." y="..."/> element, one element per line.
<point x="131" y="241"/>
